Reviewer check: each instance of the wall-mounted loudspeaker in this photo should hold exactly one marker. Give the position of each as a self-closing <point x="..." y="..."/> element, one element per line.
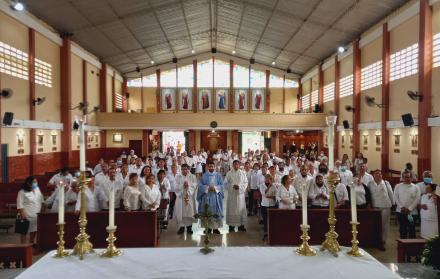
<point x="407" y="119"/>
<point x="346" y="124"/>
<point x="7" y="118"/>
<point x="174" y="60"/>
<point x="213" y="50"/>
<point x="252" y="61"/>
<point x="317" y="108"/>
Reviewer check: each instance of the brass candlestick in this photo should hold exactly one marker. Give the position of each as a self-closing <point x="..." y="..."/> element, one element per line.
<point x="354" y="247"/>
<point x="83" y="245"/>
<point x="206" y="219"/>
<point x="331" y="237"/>
<point x="305" y="249"/>
<point x="111" y="250"/>
<point x="60" y="253"/>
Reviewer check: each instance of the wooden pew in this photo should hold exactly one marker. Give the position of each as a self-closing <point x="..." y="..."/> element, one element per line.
<point x="15" y="255"/>
<point x="135" y="229"/>
<point x="284" y="227"/>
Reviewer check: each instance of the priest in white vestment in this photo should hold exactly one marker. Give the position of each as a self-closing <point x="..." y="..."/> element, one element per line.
<point x="236" y="184"/>
<point x="184" y="208"/>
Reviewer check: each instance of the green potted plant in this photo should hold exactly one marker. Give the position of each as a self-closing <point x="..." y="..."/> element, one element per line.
<point x="431" y="253"/>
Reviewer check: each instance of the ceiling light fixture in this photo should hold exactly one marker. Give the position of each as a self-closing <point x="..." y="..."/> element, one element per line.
<point x="193" y="51"/>
<point x="341" y="49"/>
<point x="17" y="6"/>
<point x="233" y="52"/>
<point x="152" y="62"/>
<point x="273" y="62"/>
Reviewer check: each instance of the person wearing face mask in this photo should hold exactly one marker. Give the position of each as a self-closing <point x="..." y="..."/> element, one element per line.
<point x="345" y="174"/>
<point x="29" y="204"/>
<point x="427" y="179"/>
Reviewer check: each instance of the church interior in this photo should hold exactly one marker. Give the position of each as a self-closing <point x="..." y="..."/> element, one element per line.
<point x="301" y="135"/>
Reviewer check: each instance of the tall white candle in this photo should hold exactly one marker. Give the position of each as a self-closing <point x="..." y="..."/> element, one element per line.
<point x="111" y="207"/>
<point x="331" y="122"/>
<point x="353" y="203"/>
<point x="82" y="148"/>
<point x="61" y="203"/>
<point x="304" y="204"/>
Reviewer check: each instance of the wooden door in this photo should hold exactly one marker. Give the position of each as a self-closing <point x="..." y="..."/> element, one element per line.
<point x="136" y="145"/>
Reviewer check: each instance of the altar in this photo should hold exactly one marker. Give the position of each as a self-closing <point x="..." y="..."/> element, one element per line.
<point x="225" y="262"/>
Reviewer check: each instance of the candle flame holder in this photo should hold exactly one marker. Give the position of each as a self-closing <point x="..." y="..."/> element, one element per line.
<point x="111" y="250"/>
<point x="60" y="253"/>
<point x="355" y="252"/>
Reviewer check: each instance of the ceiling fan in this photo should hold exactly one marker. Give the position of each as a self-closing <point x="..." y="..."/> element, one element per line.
<point x="371" y="102"/>
<point x="414" y="95"/>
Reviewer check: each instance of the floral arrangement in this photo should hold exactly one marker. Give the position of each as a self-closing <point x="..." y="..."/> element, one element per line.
<point x="431" y="253"/>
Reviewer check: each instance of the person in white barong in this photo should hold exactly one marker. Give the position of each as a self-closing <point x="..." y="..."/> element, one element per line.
<point x="428" y="212"/>
<point x="185" y="208"/>
<point x="286" y="195"/>
<point x="106" y="186"/>
<point x="319" y="192"/>
<point x="382" y="198"/>
<point x="131" y="196"/>
<point x="236" y="184"/>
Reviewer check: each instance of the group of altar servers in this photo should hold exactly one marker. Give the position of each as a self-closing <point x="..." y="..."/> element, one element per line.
<point x="180" y="185"/>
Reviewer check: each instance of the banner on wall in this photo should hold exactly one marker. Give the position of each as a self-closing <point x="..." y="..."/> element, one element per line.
<point x="258" y="99"/>
<point x="221" y="99"/>
<point x="185" y="99"/>
<point x="168" y="99"/>
<point x="205" y="99"/>
<point x="241" y="99"/>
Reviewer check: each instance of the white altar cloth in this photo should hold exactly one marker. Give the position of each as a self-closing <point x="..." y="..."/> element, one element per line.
<point x="225" y="262"/>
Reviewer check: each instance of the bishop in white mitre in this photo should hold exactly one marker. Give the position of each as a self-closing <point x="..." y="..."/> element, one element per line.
<point x="236" y="184"/>
<point x="185" y="208"/>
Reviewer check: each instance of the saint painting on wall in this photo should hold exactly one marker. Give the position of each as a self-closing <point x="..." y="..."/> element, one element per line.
<point x="258" y="99"/>
<point x="221" y="99"/>
<point x="168" y="99"/>
<point x="241" y="100"/>
<point x="185" y="99"/>
<point x="205" y="101"/>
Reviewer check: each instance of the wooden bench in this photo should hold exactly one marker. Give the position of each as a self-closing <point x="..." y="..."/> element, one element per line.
<point x="284" y="227"/>
<point x="408" y="249"/>
<point x="15" y="255"/>
<point x="135" y="229"/>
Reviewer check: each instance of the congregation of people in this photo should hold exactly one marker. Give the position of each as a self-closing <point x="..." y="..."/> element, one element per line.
<point x="179" y="185"/>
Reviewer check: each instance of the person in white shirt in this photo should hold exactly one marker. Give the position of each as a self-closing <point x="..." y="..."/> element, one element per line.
<point x="171" y="176"/>
<point x="341" y="195"/>
<point x="63" y="176"/>
<point x="255" y="180"/>
<point x="131" y="196"/>
<point x="276" y="179"/>
<point x="345" y="174"/>
<point x="304" y="180"/>
<point x="363" y="176"/>
<point x="29" y="204"/>
<point x="101" y="176"/>
<point x="286" y="195"/>
<point x="70" y="196"/>
<point x="427" y="179"/>
<point x="429" y="213"/>
<point x="92" y="204"/>
<point x="136" y="167"/>
<point x="282" y="171"/>
<point x="382" y="198"/>
<point x="319" y="192"/>
<point x="98" y="168"/>
<point x="185" y="207"/>
<point x="268" y="194"/>
<point x="407" y="197"/>
<point x="103" y="192"/>
<point x="164" y="187"/>
<point x="150" y="195"/>
<point x="363" y="194"/>
<point x="236" y="184"/>
<point x="160" y="166"/>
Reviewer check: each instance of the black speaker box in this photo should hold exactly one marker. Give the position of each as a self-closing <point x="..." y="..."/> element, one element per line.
<point x="213" y="50"/>
<point x="346" y="124"/>
<point x="407" y="119"/>
<point x="317" y="108"/>
<point x="7" y="118"/>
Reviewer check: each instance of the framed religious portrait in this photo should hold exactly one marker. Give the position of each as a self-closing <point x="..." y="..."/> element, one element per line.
<point x="414" y="140"/>
<point x="54" y="139"/>
<point x="342" y="140"/>
<point x="168" y="99"/>
<point x="351" y="139"/>
<point x="40" y="140"/>
<point x="378" y="139"/>
<point x="185" y="99"/>
<point x="205" y="99"/>
<point x="241" y="100"/>
<point x="397" y="140"/>
<point x="117" y="137"/>
<point x="221" y="99"/>
<point x="258" y="99"/>
<point x="365" y="139"/>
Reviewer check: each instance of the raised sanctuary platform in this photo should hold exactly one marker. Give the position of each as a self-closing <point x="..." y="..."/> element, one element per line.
<point x="225" y="262"/>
